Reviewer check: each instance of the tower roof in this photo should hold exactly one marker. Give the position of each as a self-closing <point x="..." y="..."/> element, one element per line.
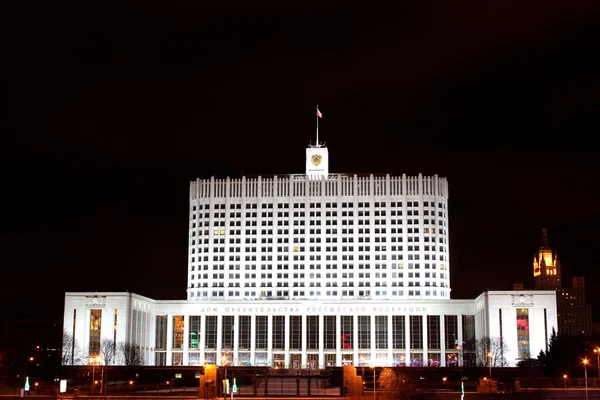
<point x="545" y="245"/>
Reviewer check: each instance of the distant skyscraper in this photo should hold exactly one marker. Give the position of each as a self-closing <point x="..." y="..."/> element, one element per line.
<point x="574" y="315"/>
<point x="546" y="266"/>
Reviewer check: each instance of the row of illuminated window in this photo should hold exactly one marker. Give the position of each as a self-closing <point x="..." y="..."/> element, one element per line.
<point x="300" y="294"/>
<point x="248" y="267"/>
<point x="328" y="257"/>
<point x="317" y="284"/>
<point x="293" y="333"/>
<point x="319" y="222"/>
<point x="302" y="249"/>
<point x="317" y="275"/>
<point x="254" y="206"/>
<point x="317" y="239"/>
<point x="316" y="214"/>
<point x="328" y="231"/>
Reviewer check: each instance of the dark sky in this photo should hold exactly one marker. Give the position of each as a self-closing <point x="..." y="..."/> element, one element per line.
<point x="111" y="109"/>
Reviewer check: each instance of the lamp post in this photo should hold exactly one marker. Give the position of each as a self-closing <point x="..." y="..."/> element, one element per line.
<point x="460" y="359"/>
<point x="94" y="360"/>
<point x="585" y="362"/>
<point x="374" y="383"/>
<point x="445" y="380"/>
<point x="27" y="361"/>
<point x="565" y="379"/>
<point x="489" y="354"/>
<point x="597" y="351"/>
<point x="93" y="374"/>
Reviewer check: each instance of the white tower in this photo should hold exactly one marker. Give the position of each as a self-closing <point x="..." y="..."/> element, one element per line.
<point x="317" y="162"/>
<point x="317" y="157"/>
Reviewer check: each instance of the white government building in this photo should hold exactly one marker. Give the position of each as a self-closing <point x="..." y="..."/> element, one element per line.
<point x="316" y="270"/>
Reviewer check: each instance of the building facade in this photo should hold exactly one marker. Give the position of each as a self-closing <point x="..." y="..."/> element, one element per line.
<point x="316" y="270"/>
<point x="344" y="237"/>
<point x="314" y="333"/>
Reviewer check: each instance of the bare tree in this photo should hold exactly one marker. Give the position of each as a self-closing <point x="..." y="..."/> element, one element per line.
<point x="491" y="350"/>
<point x="72" y="354"/>
<point x="130" y="354"/>
<point x="108" y="351"/>
<point x="398" y="384"/>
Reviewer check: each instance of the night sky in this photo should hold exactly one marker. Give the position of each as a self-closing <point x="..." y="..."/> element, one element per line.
<point x="111" y="109"/>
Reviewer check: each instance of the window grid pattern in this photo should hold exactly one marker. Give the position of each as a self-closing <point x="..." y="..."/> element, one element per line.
<point x="346" y="328"/>
<point x="178" y="327"/>
<point x="194" y="331"/>
<point x="416" y="332"/>
<point x="451" y="331"/>
<point x="245" y="332"/>
<point x="210" y="333"/>
<point x="227" y="331"/>
<point x="523" y="333"/>
<point x="381" y="332"/>
<point x="398" y="332"/>
<point x="278" y="332"/>
<point x="329" y="339"/>
<point x="160" y="342"/>
<point x="312" y="332"/>
<point x="261" y="332"/>
<point x="364" y="332"/>
<point x="433" y="332"/>
<point x="295" y="332"/>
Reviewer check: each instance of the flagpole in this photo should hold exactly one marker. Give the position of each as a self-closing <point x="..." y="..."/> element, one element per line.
<point x="317" y="125"/>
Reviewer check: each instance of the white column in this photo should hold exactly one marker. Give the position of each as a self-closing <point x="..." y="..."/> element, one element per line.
<point x="373" y="347"/>
<point x="253" y="339"/>
<point x="338" y="341"/>
<point x="390" y="343"/>
<point x="443" y="340"/>
<point x="407" y="337"/>
<point x="236" y="339"/>
<point x="219" y="339"/>
<point x="425" y="341"/>
<point x="354" y="339"/>
<point x="169" y="339"/>
<point x="304" y="337"/>
<point x="321" y="342"/>
<point x="287" y="341"/>
<point x="270" y="340"/>
<point x="202" y="338"/>
<point x="186" y="330"/>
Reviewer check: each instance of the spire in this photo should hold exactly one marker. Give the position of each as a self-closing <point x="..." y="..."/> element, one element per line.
<point x="545" y="245"/>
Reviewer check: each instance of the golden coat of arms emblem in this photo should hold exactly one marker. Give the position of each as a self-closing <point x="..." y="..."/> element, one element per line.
<point x="316" y="159"/>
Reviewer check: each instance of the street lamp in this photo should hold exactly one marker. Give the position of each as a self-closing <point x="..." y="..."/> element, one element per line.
<point x="94" y="361"/>
<point x="597" y="351"/>
<point x="565" y="379"/>
<point x="374" y="383"/>
<point x="460" y="359"/>
<point x="27" y="361"/>
<point x="445" y="380"/>
<point x="489" y="354"/>
<point x="585" y="362"/>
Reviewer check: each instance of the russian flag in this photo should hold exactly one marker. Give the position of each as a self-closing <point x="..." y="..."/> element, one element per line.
<point x="319" y="114"/>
